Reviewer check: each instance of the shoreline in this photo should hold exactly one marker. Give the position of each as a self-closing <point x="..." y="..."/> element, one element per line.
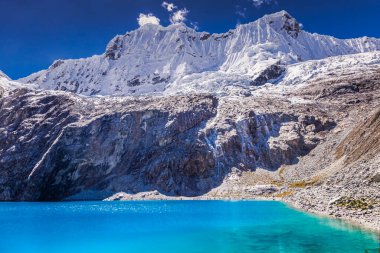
<point x="362" y="224"/>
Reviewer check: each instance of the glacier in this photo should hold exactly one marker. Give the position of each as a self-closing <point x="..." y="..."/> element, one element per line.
<point x="177" y="59"/>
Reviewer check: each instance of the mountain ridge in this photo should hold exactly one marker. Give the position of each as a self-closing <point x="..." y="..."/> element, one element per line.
<point x="152" y="58"/>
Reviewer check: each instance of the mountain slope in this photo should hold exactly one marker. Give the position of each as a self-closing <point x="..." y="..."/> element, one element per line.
<point x="3" y="75"/>
<point x="153" y="58"/>
<point x="349" y="187"/>
<point x="7" y="85"/>
<point x="58" y="145"/>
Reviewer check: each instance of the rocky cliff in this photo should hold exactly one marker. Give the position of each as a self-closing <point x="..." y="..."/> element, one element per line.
<point x="55" y="145"/>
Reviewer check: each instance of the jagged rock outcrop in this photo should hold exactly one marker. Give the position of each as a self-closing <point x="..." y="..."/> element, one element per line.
<point x="272" y="72"/>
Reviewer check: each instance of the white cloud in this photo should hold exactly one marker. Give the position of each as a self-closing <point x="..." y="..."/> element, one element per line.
<point x="144" y="19"/>
<point x="258" y="3"/>
<point x="240" y="11"/>
<point x="194" y="25"/>
<point x="169" y="6"/>
<point x="179" y="16"/>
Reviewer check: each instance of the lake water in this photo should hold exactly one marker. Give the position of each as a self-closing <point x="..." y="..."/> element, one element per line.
<point x="173" y="227"/>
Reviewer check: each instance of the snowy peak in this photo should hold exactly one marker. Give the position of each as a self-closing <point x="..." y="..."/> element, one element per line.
<point x="2" y="75"/>
<point x="155" y="59"/>
<point x="148" y="37"/>
<point x="152" y="37"/>
<point x="282" y="21"/>
<point x="270" y="27"/>
<point x="287" y="23"/>
<point x="7" y="85"/>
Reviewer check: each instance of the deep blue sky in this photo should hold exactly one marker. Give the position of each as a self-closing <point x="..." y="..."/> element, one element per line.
<point x="34" y="33"/>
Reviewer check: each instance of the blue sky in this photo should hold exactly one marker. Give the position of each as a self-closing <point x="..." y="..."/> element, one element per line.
<point x="34" y="33"/>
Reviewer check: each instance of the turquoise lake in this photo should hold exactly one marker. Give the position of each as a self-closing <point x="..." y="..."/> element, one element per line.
<point x="173" y="227"/>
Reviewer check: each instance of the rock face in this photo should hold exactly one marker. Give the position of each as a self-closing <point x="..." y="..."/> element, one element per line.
<point x="361" y="142"/>
<point x="55" y="145"/>
<point x="62" y="145"/>
<point x="272" y="72"/>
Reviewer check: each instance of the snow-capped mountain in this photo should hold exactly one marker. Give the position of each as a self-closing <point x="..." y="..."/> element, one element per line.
<point x="3" y="75"/>
<point x="286" y="108"/>
<point x="154" y="59"/>
<point x="6" y="84"/>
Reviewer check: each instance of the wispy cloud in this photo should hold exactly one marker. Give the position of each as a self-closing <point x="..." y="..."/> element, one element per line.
<point x="178" y="16"/>
<point x="169" y="6"/>
<point x="195" y="25"/>
<point x="149" y="18"/>
<point x="240" y="11"/>
<point x="258" y="3"/>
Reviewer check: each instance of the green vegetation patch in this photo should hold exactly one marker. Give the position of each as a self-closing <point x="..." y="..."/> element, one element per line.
<point x="352" y="203"/>
<point x="303" y="184"/>
<point x="284" y="194"/>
